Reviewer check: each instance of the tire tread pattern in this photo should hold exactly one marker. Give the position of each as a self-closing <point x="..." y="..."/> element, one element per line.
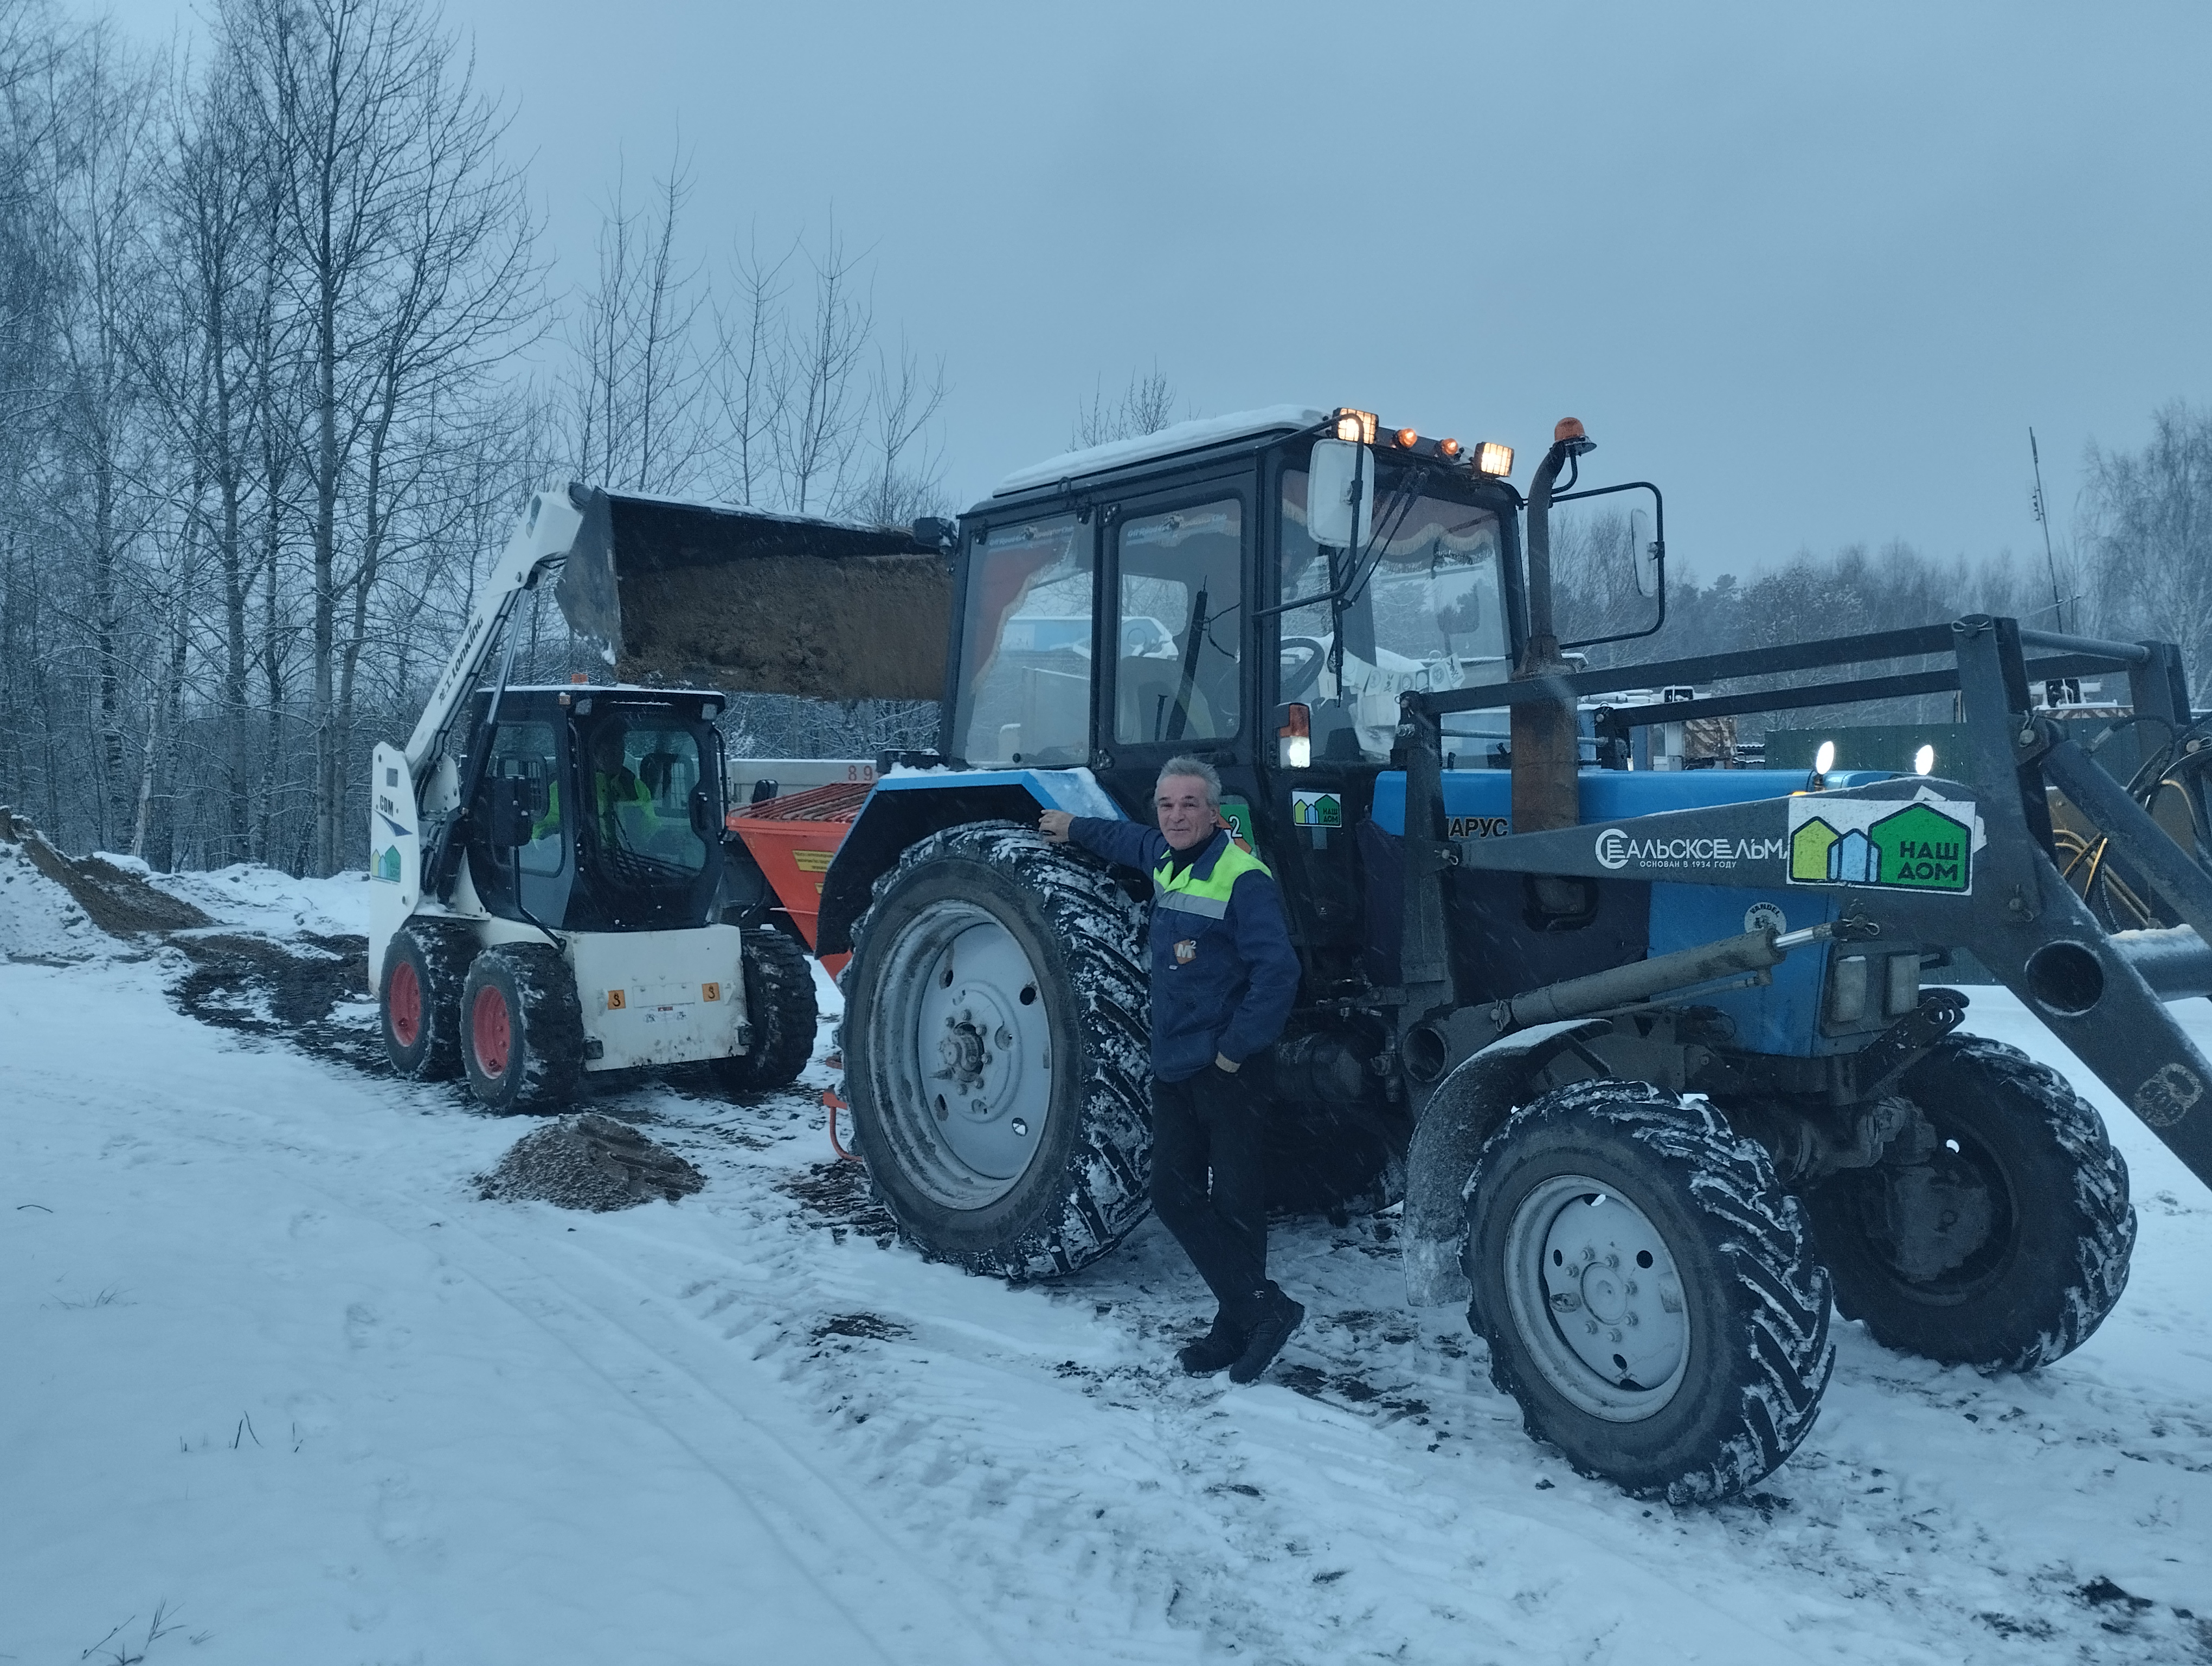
<point x="549" y="1022"/>
<point x="780" y="1012"/>
<point x="444" y="951"/>
<point x="2104" y="1226"/>
<point x="1105" y="1191"/>
<point x="1760" y="1231"/>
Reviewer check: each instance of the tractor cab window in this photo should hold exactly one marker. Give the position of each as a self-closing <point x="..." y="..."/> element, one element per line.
<point x="1427" y="612"/>
<point x="1180" y="584"/>
<point x="639" y="770"/>
<point x="1025" y="653"/>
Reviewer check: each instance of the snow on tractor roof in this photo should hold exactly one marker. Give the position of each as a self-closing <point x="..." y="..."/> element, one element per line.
<point x="1183" y="436"/>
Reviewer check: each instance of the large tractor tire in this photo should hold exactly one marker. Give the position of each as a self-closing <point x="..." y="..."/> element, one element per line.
<point x="1647" y="1290"/>
<point x="780" y="1010"/>
<point x="2009" y="1244"/>
<point x="418" y="998"/>
<point x="524" y="1044"/>
<point x="995" y="1043"/>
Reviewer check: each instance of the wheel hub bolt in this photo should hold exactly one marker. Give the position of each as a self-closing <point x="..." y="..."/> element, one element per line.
<point x="1021" y="1128"/>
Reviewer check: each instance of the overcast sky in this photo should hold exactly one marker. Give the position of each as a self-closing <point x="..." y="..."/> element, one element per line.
<point x="1815" y="274"/>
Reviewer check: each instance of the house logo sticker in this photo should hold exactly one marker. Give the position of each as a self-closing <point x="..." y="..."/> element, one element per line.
<point x="1928" y="844"/>
<point x="1317" y="810"/>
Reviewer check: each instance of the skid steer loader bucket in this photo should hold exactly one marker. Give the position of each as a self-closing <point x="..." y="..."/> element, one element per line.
<point x="755" y="603"/>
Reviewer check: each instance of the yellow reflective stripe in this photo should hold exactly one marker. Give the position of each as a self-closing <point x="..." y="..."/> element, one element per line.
<point x="1234" y="862"/>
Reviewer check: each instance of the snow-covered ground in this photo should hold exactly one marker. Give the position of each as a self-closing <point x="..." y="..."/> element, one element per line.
<point x="271" y="1371"/>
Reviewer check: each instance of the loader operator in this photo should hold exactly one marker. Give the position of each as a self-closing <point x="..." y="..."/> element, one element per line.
<point x="1224" y="979"/>
<point x="628" y="818"/>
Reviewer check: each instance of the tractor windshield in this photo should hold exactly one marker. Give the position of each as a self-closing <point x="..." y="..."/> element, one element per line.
<point x="1025" y="647"/>
<point x="1428" y="610"/>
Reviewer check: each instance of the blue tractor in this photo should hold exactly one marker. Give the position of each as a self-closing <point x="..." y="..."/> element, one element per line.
<point x="1660" y="1062"/>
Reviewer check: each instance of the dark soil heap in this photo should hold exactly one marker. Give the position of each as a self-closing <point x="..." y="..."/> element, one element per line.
<point x="118" y="902"/>
<point x="590" y="1162"/>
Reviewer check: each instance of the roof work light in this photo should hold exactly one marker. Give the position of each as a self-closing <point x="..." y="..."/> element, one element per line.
<point x="1356" y="426"/>
<point x="1493" y="458"/>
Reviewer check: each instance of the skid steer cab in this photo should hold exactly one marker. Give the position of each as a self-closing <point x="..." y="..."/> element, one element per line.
<point x="565" y="919"/>
<point x="1660" y="1062"/>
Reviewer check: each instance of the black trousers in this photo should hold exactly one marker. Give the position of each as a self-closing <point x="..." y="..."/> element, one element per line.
<point x="1210" y="1128"/>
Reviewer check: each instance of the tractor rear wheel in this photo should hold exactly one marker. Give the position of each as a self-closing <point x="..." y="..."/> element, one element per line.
<point x="780" y="1012"/>
<point x="2004" y="1244"/>
<point x="418" y="998"/>
<point x="995" y="1043"/>
<point x="1647" y="1290"/>
<point x="523" y="1028"/>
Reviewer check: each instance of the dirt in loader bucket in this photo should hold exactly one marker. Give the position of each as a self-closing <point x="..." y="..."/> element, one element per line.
<point x="749" y="603"/>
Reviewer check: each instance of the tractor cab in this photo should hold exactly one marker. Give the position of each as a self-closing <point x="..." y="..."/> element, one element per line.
<point x="599" y="809"/>
<point x="1193" y="609"/>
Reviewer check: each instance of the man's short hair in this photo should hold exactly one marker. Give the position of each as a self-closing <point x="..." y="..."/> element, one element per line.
<point x="1197" y="766"/>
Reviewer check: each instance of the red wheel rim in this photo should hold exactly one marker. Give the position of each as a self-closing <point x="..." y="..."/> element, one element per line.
<point x="404" y="1004"/>
<point x="488" y="1030"/>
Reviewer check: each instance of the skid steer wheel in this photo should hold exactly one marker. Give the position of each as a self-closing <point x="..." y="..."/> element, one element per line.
<point x="780" y="1011"/>
<point x="418" y="1000"/>
<point x="995" y="1048"/>
<point x="1647" y="1290"/>
<point x="2001" y="1246"/>
<point x="523" y="1028"/>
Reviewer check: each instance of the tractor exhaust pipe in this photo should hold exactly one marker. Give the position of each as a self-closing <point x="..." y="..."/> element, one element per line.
<point x="1545" y="791"/>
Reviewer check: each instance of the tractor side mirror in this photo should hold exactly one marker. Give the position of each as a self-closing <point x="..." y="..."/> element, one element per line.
<point x="705" y="820"/>
<point x="507" y="816"/>
<point x="1340" y="494"/>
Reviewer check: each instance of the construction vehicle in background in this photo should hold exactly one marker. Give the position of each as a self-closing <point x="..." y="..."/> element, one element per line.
<point x="555" y="897"/>
<point x="1659" y="1062"/>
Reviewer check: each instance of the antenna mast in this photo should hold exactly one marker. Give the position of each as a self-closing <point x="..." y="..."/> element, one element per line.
<point x="2057" y="607"/>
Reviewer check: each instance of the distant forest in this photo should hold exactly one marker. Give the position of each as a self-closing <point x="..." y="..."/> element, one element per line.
<point x="280" y="360"/>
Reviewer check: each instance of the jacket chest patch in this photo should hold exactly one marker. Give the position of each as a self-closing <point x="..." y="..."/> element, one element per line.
<point x="1186" y="950"/>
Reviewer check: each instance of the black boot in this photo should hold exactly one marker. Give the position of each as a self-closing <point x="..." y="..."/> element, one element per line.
<point x="1218" y="1350"/>
<point x="1278" y="1316"/>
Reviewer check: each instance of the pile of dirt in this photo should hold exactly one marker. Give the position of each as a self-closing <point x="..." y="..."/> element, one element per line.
<point x="590" y="1162"/>
<point x="120" y="902"/>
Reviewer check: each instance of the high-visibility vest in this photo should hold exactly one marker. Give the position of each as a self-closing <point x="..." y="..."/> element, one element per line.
<point x="1186" y="893"/>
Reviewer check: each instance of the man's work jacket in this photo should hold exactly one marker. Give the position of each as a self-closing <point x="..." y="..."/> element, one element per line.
<point x="1225" y="975"/>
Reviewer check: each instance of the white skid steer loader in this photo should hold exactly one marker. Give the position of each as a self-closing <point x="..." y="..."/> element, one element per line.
<point x="557" y="893"/>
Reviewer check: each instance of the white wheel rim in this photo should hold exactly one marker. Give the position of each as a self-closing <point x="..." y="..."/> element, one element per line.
<point x="964" y="1045"/>
<point x="1596" y="1297"/>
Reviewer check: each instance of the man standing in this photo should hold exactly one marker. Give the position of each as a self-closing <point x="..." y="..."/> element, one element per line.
<point x="1224" y="979"/>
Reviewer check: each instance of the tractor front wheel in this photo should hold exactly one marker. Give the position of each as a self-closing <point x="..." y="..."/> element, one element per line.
<point x="1647" y="1290"/>
<point x="2001" y="1238"/>
<point x="995" y="1040"/>
<point x="523" y="1028"/>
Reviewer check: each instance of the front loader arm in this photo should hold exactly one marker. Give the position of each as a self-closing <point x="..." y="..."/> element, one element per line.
<point x="545" y="533"/>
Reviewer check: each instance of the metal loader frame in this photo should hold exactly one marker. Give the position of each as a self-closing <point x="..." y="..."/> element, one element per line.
<point x="2019" y="918"/>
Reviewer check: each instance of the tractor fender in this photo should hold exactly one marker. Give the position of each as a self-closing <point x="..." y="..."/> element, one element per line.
<point x="1466" y="1105"/>
<point x="908" y="806"/>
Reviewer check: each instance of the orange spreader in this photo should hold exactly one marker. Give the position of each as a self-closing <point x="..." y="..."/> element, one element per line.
<point x="793" y="838"/>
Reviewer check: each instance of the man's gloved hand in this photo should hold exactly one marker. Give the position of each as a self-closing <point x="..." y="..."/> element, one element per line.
<point x="1227" y="1066"/>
